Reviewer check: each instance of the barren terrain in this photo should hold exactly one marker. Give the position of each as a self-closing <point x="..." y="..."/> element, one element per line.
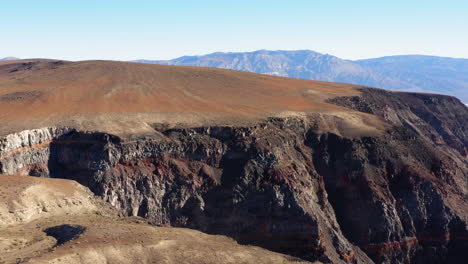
<point x="107" y="238"/>
<point x="127" y="98"/>
<point x="326" y="172"/>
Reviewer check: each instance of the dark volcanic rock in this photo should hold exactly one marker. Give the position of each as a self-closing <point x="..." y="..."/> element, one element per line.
<point x="438" y="118"/>
<point x="393" y="203"/>
<point x="256" y="184"/>
<point x="396" y="197"/>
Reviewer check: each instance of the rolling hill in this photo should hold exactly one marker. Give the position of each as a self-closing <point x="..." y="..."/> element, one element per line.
<point x="124" y="97"/>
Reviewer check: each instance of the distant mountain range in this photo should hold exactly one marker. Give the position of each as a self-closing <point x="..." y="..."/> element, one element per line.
<point x="405" y="73"/>
<point x="8" y="58"/>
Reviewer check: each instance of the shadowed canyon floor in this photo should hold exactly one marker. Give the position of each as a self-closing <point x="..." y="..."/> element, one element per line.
<point x="326" y="172"/>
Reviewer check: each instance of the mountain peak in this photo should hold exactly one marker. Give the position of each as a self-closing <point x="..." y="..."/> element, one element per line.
<point x="8" y="58"/>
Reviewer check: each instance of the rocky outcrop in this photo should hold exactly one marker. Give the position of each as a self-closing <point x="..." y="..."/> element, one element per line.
<point x="440" y="119"/>
<point x="27" y="152"/>
<point x="396" y="203"/>
<point x="27" y="199"/>
<point x="395" y="197"/>
<point x="255" y="184"/>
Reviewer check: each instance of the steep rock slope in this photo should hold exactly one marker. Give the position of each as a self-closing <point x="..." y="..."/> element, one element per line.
<point x="346" y="176"/>
<point x="68" y="225"/>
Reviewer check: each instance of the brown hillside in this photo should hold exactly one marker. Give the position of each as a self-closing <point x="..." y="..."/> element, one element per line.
<point x="123" y="97"/>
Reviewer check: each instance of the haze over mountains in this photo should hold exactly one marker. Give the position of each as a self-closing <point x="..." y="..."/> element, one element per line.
<point x="8" y="58"/>
<point x="418" y="73"/>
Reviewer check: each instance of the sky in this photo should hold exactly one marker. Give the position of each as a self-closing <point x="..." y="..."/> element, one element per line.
<point x="128" y="30"/>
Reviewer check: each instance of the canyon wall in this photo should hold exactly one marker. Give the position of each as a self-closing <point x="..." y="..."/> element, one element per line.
<point x="284" y="184"/>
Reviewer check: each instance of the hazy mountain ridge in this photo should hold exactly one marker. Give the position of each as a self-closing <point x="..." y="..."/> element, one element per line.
<point x="406" y="72"/>
<point x="8" y="58"/>
<point x="437" y="74"/>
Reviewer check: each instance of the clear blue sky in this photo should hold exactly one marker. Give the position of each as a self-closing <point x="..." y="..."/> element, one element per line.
<point x="125" y="30"/>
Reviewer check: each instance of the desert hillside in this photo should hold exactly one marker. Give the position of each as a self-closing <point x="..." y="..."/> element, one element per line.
<point x="122" y="97"/>
<point x="317" y="171"/>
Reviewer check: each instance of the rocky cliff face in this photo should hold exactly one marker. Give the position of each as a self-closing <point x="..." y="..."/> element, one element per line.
<point x="439" y="119"/>
<point x="27" y="152"/>
<point x="284" y="184"/>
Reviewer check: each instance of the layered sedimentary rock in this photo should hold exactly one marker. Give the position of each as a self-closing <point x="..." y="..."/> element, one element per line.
<point x="395" y="197"/>
<point x="27" y="152"/>
<point x="372" y="176"/>
<point x="46" y="220"/>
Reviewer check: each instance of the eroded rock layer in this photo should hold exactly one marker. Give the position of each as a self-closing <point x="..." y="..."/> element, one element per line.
<point x="45" y="220"/>
<point x="324" y="171"/>
<point x="284" y="184"/>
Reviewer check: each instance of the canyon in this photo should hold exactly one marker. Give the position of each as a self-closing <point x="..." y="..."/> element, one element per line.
<point x="327" y="172"/>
